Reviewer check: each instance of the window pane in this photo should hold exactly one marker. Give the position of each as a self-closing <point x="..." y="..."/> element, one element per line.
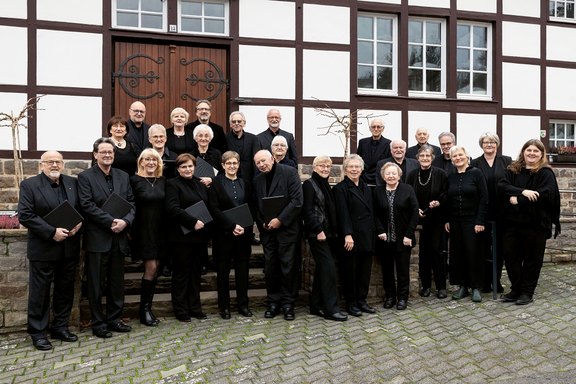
<point x="480" y="38"/>
<point x="570" y="131"/>
<point x="365" y="77"/>
<point x="151" y="5"/>
<point x="365" y="52"/>
<point x="214" y="26"/>
<point x="433" y="79"/>
<point x="414" y="56"/>
<point x="127" y="19"/>
<point x="463" y="38"/>
<point x="570" y="10"/>
<point x="191" y="25"/>
<point x="433" y="33"/>
<point x="415" y="31"/>
<point x="463" y="82"/>
<point x="480" y="81"/>
<point x="384" y="54"/>
<point x="433" y="57"/>
<point x="384" y="78"/>
<point x="415" y="79"/>
<point x="213" y="10"/>
<point x="552" y="131"/>
<point x="480" y="61"/>
<point x="551" y="8"/>
<point x="384" y="29"/>
<point x="152" y="21"/>
<point x="462" y="58"/>
<point x="127" y="4"/>
<point x="559" y="10"/>
<point x="560" y="131"/>
<point x="365" y="27"/>
<point x="192" y="9"/>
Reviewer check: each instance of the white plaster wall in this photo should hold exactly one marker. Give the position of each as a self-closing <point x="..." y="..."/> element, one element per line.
<point x="520" y="86"/>
<point x="326" y="75"/>
<point x="485" y="6"/>
<point x="70" y="11"/>
<point x="560" y="43"/>
<point x="69" y="59"/>
<point x="530" y="8"/>
<point x="520" y="39"/>
<point x="55" y="130"/>
<point x="14" y="64"/>
<point x="12" y="104"/>
<point x="434" y="122"/>
<point x="516" y="130"/>
<point x="392" y="123"/>
<point x="384" y="1"/>
<point x="430" y="3"/>
<point x="560" y="89"/>
<point x="326" y="24"/>
<point x="469" y="127"/>
<point x="267" y="19"/>
<point x="267" y="72"/>
<point x="316" y="139"/>
<point x="15" y="9"/>
<point x="256" y="121"/>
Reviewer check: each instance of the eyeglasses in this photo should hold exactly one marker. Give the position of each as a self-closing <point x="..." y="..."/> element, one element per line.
<point x="488" y="143"/>
<point x="157" y="137"/>
<point x="231" y="163"/>
<point x="273" y="117"/>
<point x="236" y="121"/>
<point x="377" y="126"/>
<point x="106" y="152"/>
<point x="52" y="162"/>
<point x="138" y="111"/>
<point x="279" y="145"/>
<point x="446" y="144"/>
<point x="185" y="166"/>
<point x="325" y="166"/>
<point x="202" y="109"/>
<point x="150" y="160"/>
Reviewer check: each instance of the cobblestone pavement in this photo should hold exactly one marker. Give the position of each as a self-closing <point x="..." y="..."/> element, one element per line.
<point x="433" y="341"/>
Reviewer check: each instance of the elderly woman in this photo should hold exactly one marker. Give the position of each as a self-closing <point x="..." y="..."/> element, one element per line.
<point x="430" y="185"/>
<point x="353" y="199"/>
<point x="231" y="241"/>
<point x="157" y="138"/>
<point x="467" y="205"/>
<point x="182" y="192"/>
<point x="396" y="214"/>
<point x="320" y="223"/>
<point x="203" y="135"/>
<point x="532" y="205"/>
<point x="179" y="139"/>
<point x="125" y="153"/>
<point x="493" y="167"/>
<point x="279" y="149"/>
<point x="147" y="230"/>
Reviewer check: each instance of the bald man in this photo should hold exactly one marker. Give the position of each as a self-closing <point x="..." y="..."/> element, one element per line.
<point x="137" y="128"/>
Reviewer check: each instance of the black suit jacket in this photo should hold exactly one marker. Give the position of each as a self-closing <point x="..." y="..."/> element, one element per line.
<point x="266" y="137"/>
<point x="412" y="151"/>
<point x="371" y="156"/>
<point x="246" y="147"/>
<point x="37" y="199"/>
<point x="138" y="136"/>
<point x="409" y="166"/>
<point x="93" y="191"/>
<point x="219" y="201"/>
<point x="219" y="140"/>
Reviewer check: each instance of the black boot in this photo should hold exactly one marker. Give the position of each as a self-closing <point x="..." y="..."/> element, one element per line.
<point x="146" y="316"/>
<point x="152" y="290"/>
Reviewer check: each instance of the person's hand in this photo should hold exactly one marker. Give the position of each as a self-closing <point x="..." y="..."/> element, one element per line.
<point x="118" y="225"/>
<point x="478" y="228"/>
<point x="206" y="181"/>
<point x="61" y="234"/>
<point x="513" y="200"/>
<point x="447" y="227"/>
<point x="421" y="213"/>
<point x="274" y="224"/>
<point x="530" y="194"/>
<point x="434" y="204"/>
<point x="238" y="230"/>
<point x="199" y="225"/>
<point x="348" y="242"/>
<point x="383" y="236"/>
<point x="407" y="241"/>
<point x="321" y="236"/>
<point x="75" y="230"/>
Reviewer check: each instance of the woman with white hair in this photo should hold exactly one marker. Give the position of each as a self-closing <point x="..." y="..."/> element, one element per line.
<point x="203" y="135"/>
<point x="279" y="149"/>
<point x="178" y="138"/>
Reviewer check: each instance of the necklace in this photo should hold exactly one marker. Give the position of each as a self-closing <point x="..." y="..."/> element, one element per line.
<point x="151" y="182"/>
<point x="427" y="181"/>
<point x="179" y="134"/>
<point x="119" y="144"/>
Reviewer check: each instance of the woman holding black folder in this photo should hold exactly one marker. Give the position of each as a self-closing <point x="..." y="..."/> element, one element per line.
<point x="188" y="236"/>
<point x="231" y="239"/>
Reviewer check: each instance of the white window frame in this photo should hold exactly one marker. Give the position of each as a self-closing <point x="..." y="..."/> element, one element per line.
<point x="552" y="5"/>
<point x="489" y="71"/>
<point x="394" y="66"/>
<point x="139" y="27"/>
<point x="226" y="18"/>
<point x="553" y="127"/>
<point x="443" y="66"/>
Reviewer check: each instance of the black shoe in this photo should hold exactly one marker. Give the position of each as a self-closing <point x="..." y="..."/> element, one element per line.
<point x="271" y="312"/>
<point x="510" y="297"/>
<point x="338" y="316"/>
<point x="245" y="311"/>
<point x="42" y="344"/>
<point x="119" y="326"/>
<point x="64" y="335"/>
<point x="198" y="315"/>
<point x="402" y="304"/>
<point x="102" y="333"/>
<point x="389" y="302"/>
<point x="460" y="293"/>
<point x="317" y="312"/>
<point x="441" y="294"/>
<point x="225" y="314"/>
<point x="524" y="299"/>
<point x="354" y="311"/>
<point x="289" y="314"/>
<point x="425" y="292"/>
<point x="366" y="308"/>
<point x="166" y="271"/>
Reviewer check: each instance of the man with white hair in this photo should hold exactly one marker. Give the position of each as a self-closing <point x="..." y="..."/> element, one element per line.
<point x="398" y="151"/>
<point x="422" y="137"/>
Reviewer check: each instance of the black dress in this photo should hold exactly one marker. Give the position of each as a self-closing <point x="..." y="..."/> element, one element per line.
<point x="126" y="158"/>
<point x="148" y="226"/>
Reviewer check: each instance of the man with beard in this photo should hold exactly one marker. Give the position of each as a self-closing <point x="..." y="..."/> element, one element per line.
<point x="244" y="143"/>
<point x="203" y="114"/>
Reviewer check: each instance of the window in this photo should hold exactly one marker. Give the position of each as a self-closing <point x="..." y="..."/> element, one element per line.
<point x="377" y="58"/>
<point x="426" y="56"/>
<point x="561" y="135"/>
<point x="473" y="60"/>
<point x="561" y="9"/>
<point x="206" y="17"/>
<point x="140" y="14"/>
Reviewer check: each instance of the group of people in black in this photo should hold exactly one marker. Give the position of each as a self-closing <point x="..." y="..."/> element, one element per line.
<point x="344" y="226"/>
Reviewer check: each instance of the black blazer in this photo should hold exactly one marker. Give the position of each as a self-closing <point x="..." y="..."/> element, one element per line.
<point x="188" y="141"/>
<point x="219" y="201"/>
<point x="355" y="213"/>
<point x="410" y="165"/>
<point x="219" y="140"/>
<point x="93" y="191"/>
<point x="370" y="160"/>
<point x="246" y="147"/>
<point x="501" y="163"/>
<point x="265" y="137"/>
<point x="412" y="151"/>
<point x="36" y="200"/>
<point x="405" y="213"/>
<point x="438" y="191"/>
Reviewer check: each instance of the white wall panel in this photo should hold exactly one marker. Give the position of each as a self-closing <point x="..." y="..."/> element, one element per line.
<point x="267" y="72"/>
<point x="15" y="57"/>
<point x="317" y="29"/>
<point x="15" y="9"/>
<point x="530" y="8"/>
<point x="559" y="43"/>
<point x="430" y="3"/>
<point x="267" y="19"/>
<point x="392" y="123"/>
<point x="520" y="86"/>
<point x="316" y="139"/>
<point x="434" y="122"/>
<point x="484" y="6"/>
<point x="256" y="121"/>
<point x="469" y="127"/>
<point x="384" y="1"/>
<point x="560" y="92"/>
<point x="71" y="11"/>
<point x="12" y="104"/>
<point x="515" y="38"/>
<point x="56" y="132"/>
<point x="69" y="59"/>
<point x="326" y="75"/>
<point x="516" y="130"/>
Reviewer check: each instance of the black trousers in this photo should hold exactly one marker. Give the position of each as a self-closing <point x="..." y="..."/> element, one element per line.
<point x="430" y="258"/>
<point x="105" y="276"/>
<point x="41" y="276"/>
<point x="281" y="270"/>
<point x="524" y="254"/>
<point x="355" y="272"/>
<point x="187" y="277"/>
<point x="395" y="270"/>
<point x="466" y="259"/>
<point x="324" y="294"/>
<point x="487" y="252"/>
<point x="228" y="249"/>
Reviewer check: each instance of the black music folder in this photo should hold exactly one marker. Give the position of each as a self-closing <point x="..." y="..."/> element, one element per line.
<point x="199" y="211"/>
<point x="240" y="215"/>
<point x="64" y="216"/>
<point x="272" y="206"/>
<point x="117" y="206"/>
<point x="204" y="169"/>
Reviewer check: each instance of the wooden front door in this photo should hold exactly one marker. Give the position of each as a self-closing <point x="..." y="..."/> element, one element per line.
<point x="164" y="77"/>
